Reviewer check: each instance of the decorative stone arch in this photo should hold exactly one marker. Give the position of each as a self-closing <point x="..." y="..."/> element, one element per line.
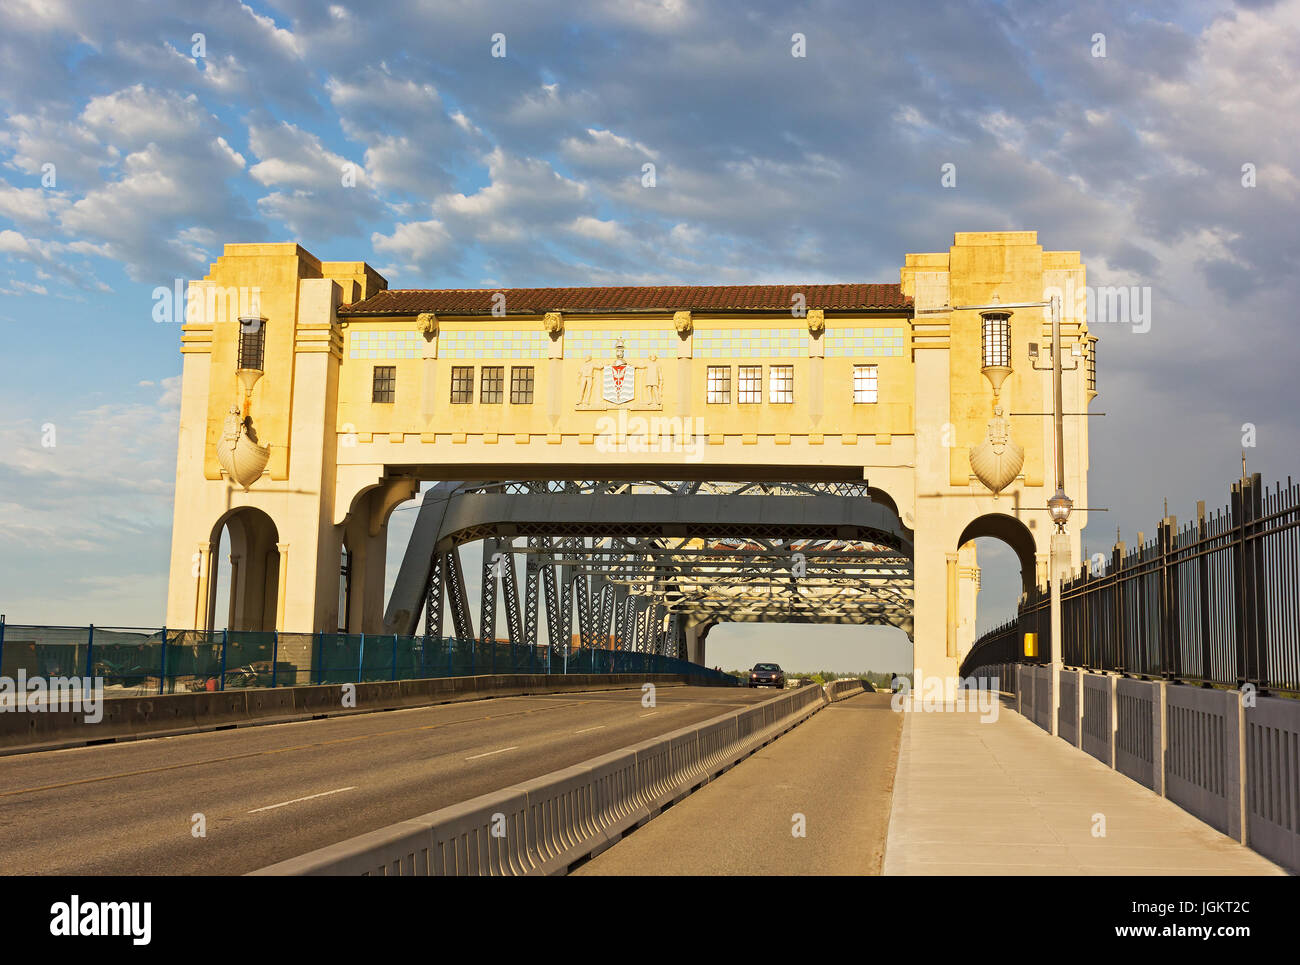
<point x="364" y="533"/>
<point x="1014" y="534"/>
<point x="254" y="559"/>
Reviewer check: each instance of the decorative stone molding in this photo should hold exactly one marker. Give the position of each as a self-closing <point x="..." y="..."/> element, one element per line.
<point x="816" y="321"/>
<point x="426" y="323"/>
<point x="683" y="322"/>
<point x="998" y="459"/>
<point x="238" y="453"/>
<point x="553" y="322"/>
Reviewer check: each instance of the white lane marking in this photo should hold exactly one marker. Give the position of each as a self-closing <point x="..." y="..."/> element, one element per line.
<point x="651" y="714"/>
<point x="513" y="747"/>
<point x="585" y="729"/>
<point x="272" y="807"/>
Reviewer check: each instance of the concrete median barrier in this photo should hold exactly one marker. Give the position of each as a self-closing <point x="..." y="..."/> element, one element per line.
<point x="545" y="825"/>
<point x="841" y="689"/>
<point x="135" y="718"/>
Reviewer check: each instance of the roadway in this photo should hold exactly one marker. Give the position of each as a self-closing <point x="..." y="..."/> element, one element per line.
<point x="274" y="792"/>
<point x="835" y="771"/>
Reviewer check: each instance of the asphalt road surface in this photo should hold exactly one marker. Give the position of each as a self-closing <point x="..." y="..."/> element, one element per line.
<point x="832" y="777"/>
<point x="274" y="792"/>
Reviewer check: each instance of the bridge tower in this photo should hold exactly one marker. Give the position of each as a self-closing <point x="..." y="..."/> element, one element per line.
<point x="315" y="400"/>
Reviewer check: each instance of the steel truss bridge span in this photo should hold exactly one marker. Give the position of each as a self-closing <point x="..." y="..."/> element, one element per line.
<point x="642" y="562"/>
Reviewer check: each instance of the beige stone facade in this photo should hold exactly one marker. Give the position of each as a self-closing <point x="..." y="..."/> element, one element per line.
<point x="357" y="408"/>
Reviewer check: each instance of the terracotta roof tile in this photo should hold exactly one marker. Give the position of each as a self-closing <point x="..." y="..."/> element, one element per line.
<point x="699" y="298"/>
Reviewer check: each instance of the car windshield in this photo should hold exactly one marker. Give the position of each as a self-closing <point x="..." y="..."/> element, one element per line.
<point x="766" y="666"/>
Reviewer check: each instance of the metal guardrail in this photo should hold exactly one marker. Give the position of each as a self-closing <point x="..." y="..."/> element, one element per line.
<point x="144" y="661"/>
<point x="1212" y="602"/>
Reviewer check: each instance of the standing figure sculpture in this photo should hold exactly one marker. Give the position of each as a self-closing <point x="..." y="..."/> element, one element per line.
<point x="654" y="380"/>
<point x="588" y="378"/>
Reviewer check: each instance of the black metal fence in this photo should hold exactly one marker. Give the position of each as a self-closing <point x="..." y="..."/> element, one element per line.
<point x="1215" y="601"/>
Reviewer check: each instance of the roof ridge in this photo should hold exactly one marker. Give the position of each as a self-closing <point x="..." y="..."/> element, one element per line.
<point x="820" y="284"/>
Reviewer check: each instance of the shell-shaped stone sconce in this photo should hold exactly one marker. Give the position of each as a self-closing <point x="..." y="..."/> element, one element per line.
<point x="998" y="459"/>
<point x="238" y="454"/>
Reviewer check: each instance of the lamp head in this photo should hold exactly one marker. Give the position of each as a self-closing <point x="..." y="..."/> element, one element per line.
<point x="1059" y="506"/>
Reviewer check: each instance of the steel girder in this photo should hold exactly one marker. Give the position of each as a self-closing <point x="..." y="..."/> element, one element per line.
<point x="631" y="554"/>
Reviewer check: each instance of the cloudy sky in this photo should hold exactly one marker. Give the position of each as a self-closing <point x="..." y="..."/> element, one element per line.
<point x="138" y="138"/>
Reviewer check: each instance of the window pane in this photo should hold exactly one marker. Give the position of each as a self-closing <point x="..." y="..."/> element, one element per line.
<point x="492" y="384"/>
<point x="780" y="383"/>
<point x="719" y="384"/>
<point x="385" y="383"/>
<point x="865" y="383"/>
<point x="462" y="384"/>
<point x="751" y="384"/>
<point x="521" y="384"/>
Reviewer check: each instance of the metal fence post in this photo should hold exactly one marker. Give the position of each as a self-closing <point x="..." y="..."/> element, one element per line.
<point x="1203" y="585"/>
<point x="275" y="656"/>
<point x="90" y="649"/>
<point x="162" y="669"/>
<point x="221" y="684"/>
<point x="1257" y="589"/>
<point x="394" y="656"/>
<point x="361" y="657"/>
<point x="1116" y="572"/>
<point x="2" y="640"/>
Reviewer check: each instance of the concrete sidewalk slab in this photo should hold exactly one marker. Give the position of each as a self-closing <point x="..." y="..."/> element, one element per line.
<point x="835" y="769"/>
<point x="1007" y="798"/>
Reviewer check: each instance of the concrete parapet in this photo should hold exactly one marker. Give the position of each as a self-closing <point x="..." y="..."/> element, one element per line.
<point x="1097" y="728"/>
<point x="1069" y="714"/>
<point x="1273" y="780"/>
<point x="1203" y="760"/>
<point x="840" y="689"/>
<point x="1139" y="721"/>
<point x="1043" y="709"/>
<point x="1233" y="766"/>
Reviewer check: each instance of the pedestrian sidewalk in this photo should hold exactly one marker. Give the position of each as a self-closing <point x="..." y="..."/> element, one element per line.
<point x="829" y="777"/>
<point x="1007" y="798"/>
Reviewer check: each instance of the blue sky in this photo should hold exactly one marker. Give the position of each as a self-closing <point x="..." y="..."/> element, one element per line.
<point x="526" y="169"/>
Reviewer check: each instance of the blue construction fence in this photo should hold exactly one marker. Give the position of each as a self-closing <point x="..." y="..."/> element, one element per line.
<point x="141" y="661"/>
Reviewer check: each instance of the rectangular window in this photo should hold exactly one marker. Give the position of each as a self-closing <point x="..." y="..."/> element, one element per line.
<point x="521" y="384"/>
<point x="865" y="383"/>
<point x="780" y="383"/>
<point x="492" y="384"/>
<point x="719" y="384"/>
<point x="751" y="384"/>
<point x="462" y="384"/>
<point x="385" y="383"/>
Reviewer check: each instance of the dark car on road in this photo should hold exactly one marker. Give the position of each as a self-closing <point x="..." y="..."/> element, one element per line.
<point x="767" y="675"/>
